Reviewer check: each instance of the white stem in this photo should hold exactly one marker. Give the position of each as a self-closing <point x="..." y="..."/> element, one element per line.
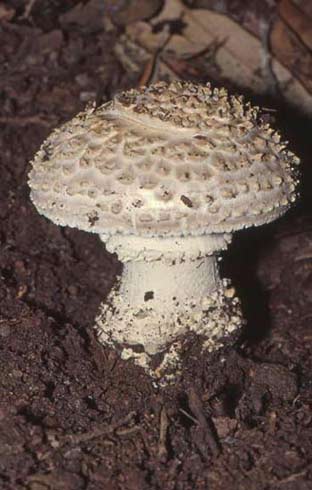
<point x="168" y="286"/>
<point x="165" y="286"/>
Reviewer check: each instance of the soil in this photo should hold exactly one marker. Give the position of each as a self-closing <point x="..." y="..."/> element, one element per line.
<point x="74" y="416"/>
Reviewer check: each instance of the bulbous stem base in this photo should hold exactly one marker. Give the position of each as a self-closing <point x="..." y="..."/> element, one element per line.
<point x="156" y="302"/>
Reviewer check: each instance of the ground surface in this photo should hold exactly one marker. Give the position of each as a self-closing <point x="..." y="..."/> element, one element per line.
<point x="72" y="415"/>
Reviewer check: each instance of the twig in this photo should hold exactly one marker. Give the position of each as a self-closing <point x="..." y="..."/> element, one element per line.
<point x="304" y="256"/>
<point x="164" y="424"/>
<point x="28" y="8"/>
<point x="148" y="71"/>
<point x="98" y="432"/>
<point x="195" y="421"/>
<point x="208" y="433"/>
<point x="128" y="430"/>
<point x="290" y="478"/>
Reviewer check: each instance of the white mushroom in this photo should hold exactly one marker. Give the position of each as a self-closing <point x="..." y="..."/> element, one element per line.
<point x="165" y="175"/>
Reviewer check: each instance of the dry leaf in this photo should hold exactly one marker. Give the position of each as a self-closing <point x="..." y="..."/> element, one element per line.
<point x="127" y="12"/>
<point x="89" y="16"/>
<point x="297" y="21"/>
<point x="305" y="6"/>
<point x="273" y="58"/>
<point x="292" y="53"/>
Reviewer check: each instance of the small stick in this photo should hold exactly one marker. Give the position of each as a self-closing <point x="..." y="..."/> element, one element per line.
<point x="98" y="432"/>
<point x="28" y="8"/>
<point x="164" y="424"/>
<point x="209" y="435"/>
<point x="148" y="71"/>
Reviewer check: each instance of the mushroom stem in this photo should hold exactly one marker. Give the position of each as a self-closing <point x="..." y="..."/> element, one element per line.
<point x="168" y="286"/>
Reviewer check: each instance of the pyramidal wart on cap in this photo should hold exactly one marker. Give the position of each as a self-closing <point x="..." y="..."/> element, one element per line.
<point x="164" y="175"/>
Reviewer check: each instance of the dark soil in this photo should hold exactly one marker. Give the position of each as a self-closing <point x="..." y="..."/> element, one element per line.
<point x="72" y="414"/>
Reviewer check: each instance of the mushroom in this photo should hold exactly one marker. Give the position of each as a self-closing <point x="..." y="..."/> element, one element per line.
<point x="165" y="174"/>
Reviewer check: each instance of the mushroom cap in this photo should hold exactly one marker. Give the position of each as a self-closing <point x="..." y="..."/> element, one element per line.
<point x="169" y="160"/>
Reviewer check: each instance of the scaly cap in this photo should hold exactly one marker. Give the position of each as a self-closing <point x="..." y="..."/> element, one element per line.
<point x="169" y="159"/>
